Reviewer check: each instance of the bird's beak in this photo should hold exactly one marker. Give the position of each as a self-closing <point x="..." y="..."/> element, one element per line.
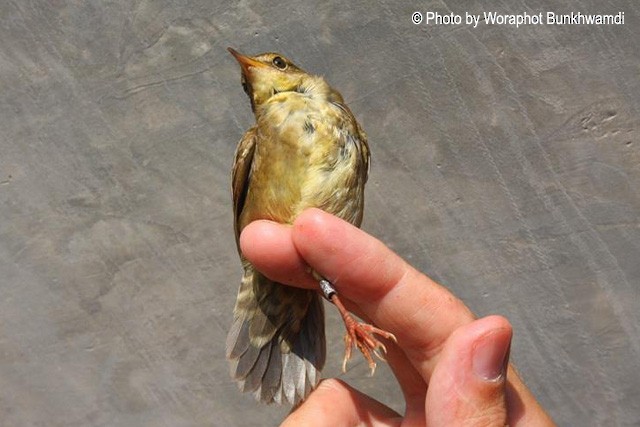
<point x="245" y="61"/>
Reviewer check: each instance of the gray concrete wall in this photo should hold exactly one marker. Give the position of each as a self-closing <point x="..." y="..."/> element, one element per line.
<point x="505" y="165"/>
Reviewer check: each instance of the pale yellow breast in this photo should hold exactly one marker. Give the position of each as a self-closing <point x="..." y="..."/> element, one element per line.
<point x="305" y="157"/>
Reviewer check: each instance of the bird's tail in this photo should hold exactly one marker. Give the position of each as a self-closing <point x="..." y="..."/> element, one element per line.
<point x="276" y="343"/>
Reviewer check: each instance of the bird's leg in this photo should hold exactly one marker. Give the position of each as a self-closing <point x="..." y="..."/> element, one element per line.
<point x="361" y="334"/>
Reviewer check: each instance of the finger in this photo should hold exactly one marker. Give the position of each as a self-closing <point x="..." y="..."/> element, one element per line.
<point x="269" y="247"/>
<point x="414" y="388"/>
<point x="334" y="403"/>
<point x="468" y="383"/>
<point x="418" y="311"/>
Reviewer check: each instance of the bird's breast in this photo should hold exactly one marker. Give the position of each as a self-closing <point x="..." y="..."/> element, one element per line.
<point x="305" y="157"/>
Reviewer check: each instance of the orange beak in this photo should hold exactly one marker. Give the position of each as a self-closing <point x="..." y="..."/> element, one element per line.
<point x="245" y="61"/>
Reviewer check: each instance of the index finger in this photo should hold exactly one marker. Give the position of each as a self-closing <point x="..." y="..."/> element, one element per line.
<point x="419" y="312"/>
<point x="395" y="296"/>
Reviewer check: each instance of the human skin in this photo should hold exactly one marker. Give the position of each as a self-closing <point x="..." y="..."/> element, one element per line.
<point x="452" y="368"/>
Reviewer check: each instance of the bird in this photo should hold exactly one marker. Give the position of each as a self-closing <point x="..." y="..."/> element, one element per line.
<point x="305" y="150"/>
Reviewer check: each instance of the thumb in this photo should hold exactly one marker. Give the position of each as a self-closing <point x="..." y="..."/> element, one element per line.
<point x="467" y="386"/>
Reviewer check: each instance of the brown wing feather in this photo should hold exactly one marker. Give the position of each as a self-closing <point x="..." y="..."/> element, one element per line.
<point x="240" y="176"/>
<point x="364" y="152"/>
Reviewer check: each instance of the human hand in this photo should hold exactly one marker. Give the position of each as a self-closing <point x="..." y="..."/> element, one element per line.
<point x="452" y="369"/>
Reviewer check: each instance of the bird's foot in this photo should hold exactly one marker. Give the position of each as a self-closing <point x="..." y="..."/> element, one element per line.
<point x="360" y="334"/>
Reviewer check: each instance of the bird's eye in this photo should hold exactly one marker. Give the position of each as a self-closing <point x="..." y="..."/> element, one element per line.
<point x="280" y="63"/>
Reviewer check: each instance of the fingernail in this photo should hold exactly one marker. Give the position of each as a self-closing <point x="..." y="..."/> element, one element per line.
<point x="491" y="355"/>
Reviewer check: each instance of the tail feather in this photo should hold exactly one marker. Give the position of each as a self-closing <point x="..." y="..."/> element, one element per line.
<point x="252" y="373"/>
<point x="272" y="376"/>
<point x="291" y="374"/>
<point x="237" y="339"/>
<point x="276" y="343"/>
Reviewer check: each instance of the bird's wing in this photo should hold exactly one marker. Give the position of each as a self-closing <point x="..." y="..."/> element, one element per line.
<point x="363" y="147"/>
<point x="240" y="176"/>
<point x="361" y="143"/>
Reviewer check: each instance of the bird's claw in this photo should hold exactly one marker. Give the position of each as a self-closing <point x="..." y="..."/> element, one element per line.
<point x="362" y="335"/>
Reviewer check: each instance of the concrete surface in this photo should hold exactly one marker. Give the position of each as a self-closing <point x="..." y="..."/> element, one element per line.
<point x="505" y="165"/>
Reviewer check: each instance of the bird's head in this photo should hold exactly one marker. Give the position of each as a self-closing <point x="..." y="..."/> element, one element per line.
<point x="268" y="74"/>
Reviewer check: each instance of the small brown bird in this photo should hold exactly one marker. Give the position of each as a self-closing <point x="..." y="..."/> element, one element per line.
<point x="305" y="150"/>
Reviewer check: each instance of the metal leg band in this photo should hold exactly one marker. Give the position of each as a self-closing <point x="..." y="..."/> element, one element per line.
<point x="327" y="289"/>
